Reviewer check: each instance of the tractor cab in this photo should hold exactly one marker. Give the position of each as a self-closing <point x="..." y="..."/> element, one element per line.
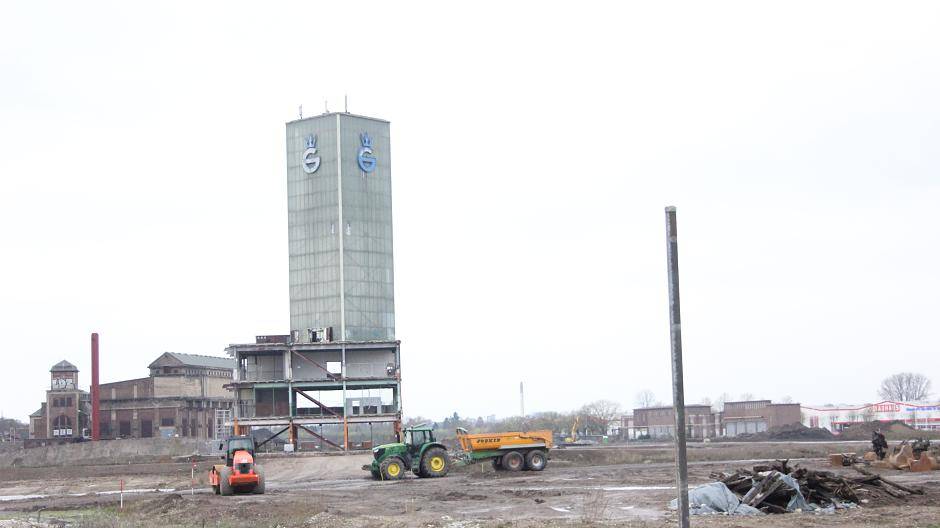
<point x="416" y="437"/>
<point x="234" y="444"/>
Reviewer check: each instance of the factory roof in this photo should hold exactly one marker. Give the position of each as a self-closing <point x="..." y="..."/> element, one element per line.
<point x="193" y="360"/>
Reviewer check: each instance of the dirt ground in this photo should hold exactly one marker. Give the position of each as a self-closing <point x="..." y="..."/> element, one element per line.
<point x="610" y="486"/>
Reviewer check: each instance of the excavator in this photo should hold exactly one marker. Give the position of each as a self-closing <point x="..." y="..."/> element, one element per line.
<point x="239" y="474"/>
<point x="573" y="438"/>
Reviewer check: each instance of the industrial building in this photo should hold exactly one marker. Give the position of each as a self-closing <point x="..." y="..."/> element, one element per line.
<point x="336" y="376"/>
<point x="660" y="422"/>
<point x="64" y="416"/>
<point x="736" y="418"/>
<point x="755" y="416"/>
<point x="184" y="395"/>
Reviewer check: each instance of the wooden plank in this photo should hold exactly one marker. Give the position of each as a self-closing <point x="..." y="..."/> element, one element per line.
<point x="912" y="491"/>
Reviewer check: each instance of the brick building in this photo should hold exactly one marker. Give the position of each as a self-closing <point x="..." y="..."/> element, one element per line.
<point x="660" y="422"/>
<point x="63" y="417"/>
<point x="702" y="422"/>
<point x="757" y="415"/>
<point x="184" y="395"/>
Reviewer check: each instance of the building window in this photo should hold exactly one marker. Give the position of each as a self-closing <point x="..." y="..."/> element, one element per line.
<point x="125" y="428"/>
<point x="146" y="428"/>
<point x="62" y="426"/>
<point x="166" y="422"/>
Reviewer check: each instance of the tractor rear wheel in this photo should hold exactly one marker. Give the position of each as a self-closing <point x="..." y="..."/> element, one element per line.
<point x="513" y="461"/>
<point x="259" y="487"/>
<point x="536" y="460"/>
<point x="225" y="487"/>
<point x="434" y="463"/>
<point x="392" y="468"/>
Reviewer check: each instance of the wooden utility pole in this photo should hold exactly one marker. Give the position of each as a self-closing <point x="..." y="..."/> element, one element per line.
<point x="678" y="390"/>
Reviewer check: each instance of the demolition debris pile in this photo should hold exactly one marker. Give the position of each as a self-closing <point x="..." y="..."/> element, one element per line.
<point x="778" y="488"/>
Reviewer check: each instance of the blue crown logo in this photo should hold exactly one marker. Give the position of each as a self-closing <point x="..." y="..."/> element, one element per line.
<point x="310" y="142"/>
<point x="366" y="140"/>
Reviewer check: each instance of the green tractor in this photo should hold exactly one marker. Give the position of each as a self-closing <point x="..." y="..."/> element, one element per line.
<point x="417" y="452"/>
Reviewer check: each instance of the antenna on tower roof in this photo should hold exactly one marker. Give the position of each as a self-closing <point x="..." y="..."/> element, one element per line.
<point x="326" y="109"/>
<point x="300" y="111"/>
<point x="346" y="103"/>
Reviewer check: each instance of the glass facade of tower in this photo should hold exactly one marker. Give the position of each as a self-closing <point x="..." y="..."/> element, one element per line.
<point x="340" y="227"/>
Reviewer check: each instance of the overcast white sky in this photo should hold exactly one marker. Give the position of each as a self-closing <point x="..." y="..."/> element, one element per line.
<point x="143" y="194"/>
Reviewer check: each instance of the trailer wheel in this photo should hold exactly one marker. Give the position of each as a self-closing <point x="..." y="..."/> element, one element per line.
<point x="259" y="487"/>
<point x="225" y="487"/>
<point x="513" y="461"/>
<point x="536" y="460"/>
<point x="392" y="468"/>
<point x="434" y="463"/>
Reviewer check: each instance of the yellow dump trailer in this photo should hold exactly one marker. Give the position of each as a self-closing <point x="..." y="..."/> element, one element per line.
<point x="514" y="451"/>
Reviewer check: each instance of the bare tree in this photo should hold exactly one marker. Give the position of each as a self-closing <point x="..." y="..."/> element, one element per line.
<point x="786" y="399"/>
<point x="645" y="398"/>
<point x="597" y="415"/>
<point x="720" y="401"/>
<point x="746" y="396"/>
<point x="905" y="387"/>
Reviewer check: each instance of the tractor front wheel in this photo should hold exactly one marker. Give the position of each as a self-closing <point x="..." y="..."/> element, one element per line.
<point x="392" y="468"/>
<point x="434" y="463"/>
<point x="225" y="486"/>
<point x="513" y="461"/>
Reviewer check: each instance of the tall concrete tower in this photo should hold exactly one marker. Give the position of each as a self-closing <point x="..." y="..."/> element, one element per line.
<point x="339" y="206"/>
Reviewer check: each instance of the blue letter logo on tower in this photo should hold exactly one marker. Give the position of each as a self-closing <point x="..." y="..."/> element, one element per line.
<point x="309" y="159"/>
<point x="366" y="159"/>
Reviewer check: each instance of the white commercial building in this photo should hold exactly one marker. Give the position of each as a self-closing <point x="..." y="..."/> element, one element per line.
<point x="925" y="416"/>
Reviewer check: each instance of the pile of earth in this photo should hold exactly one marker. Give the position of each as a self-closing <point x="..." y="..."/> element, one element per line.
<point x="791" y="432"/>
<point x="894" y="430"/>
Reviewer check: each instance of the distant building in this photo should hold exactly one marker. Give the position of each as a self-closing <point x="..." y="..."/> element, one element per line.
<point x="660" y="422"/>
<point x="756" y="416"/>
<point x="63" y="417"/>
<point x="923" y="416"/>
<point x="184" y="395"/>
<point x="703" y="422"/>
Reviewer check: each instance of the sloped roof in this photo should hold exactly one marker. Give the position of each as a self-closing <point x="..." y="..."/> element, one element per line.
<point x="193" y="360"/>
<point x="41" y="412"/>
<point x="63" y="366"/>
